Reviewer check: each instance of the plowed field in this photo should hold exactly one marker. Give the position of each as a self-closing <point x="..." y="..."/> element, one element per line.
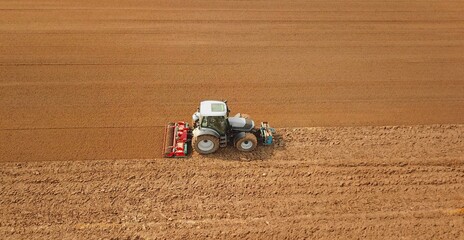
<point x="87" y="86"/>
<point x="374" y="182"/>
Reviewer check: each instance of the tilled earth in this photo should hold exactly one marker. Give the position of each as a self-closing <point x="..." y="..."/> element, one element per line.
<point x="360" y="182"/>
<point x="86" y="88"/>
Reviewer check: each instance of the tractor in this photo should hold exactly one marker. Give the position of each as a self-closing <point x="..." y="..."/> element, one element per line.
<point x="213" y="128"/>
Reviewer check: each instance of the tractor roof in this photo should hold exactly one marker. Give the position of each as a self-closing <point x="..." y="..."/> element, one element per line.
<point x="213" y="108"/>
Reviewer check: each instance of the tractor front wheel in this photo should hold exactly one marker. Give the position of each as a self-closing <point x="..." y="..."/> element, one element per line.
<point x="205" y="144"/>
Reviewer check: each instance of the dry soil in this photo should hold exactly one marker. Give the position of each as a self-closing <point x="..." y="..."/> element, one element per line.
<point x="87" y="86"/>
<point x="97" y="79"/>
<point x="352" y="182"/>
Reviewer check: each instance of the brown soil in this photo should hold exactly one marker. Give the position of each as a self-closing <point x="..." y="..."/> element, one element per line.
<point x="94" y="79"/>
<point x="97" y="80"/>
<point x="353" y="182"/>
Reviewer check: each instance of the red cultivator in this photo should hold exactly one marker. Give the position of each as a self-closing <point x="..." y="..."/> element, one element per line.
<point x="175" y="139"/>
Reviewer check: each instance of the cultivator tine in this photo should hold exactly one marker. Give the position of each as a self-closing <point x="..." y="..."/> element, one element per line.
<point x="168" y="139"/>
<point x="176" y="136"/>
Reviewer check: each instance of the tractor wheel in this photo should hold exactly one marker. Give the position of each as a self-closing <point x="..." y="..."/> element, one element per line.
<point x="247" y="143"/>
<point x="205" y="144"/>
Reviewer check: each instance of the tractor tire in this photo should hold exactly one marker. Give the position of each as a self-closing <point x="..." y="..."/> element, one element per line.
<point x="247" y="143"/>
<point x="205" y="144"/>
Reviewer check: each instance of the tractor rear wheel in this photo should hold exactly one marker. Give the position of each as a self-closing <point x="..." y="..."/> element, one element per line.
<point x="205" y="144"/>
<point x="247" y="143"/>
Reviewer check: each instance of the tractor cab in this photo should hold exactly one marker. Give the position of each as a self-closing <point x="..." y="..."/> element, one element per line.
<point x="218" y="123"/>
<point x="212" y="115"/>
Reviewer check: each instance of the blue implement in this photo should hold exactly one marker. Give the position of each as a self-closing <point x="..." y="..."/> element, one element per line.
<point x="266" y="133"/>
